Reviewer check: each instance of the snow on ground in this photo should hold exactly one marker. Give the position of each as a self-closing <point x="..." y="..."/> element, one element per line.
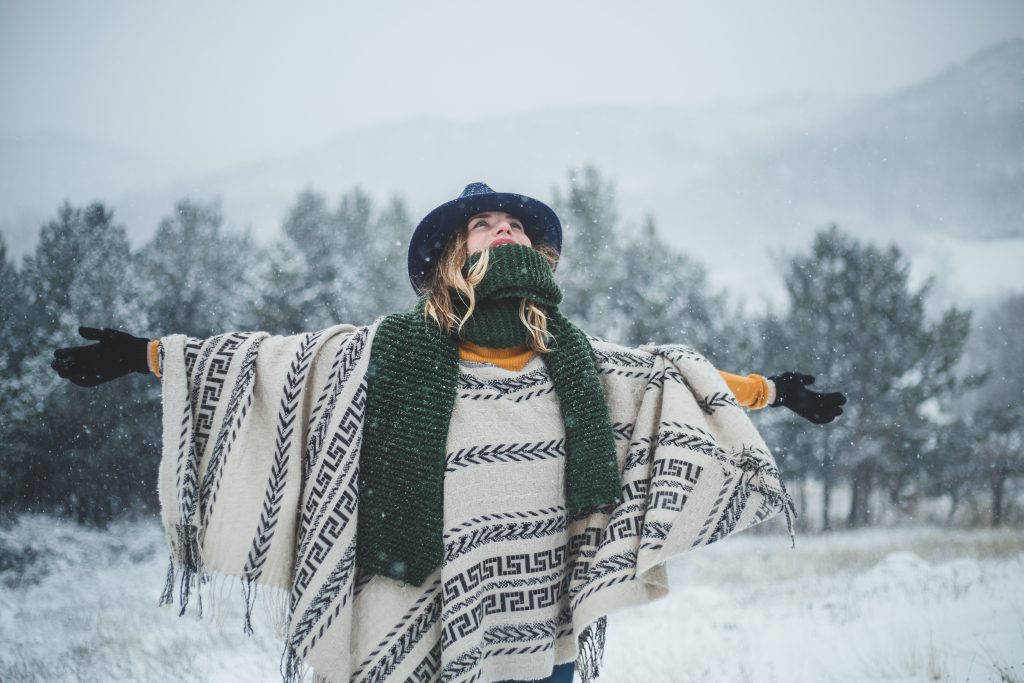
<point x="914" y="604"/>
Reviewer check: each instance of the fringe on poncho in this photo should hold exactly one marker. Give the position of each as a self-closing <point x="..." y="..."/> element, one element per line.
<point x="259" y="481"/>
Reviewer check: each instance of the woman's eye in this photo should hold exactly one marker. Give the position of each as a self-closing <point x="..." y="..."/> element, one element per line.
<point x="517" y="226"/>
<point x="481" y="224"/>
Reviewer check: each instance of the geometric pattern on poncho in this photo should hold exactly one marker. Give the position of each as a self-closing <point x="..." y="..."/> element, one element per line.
<point x="259" y="481"/>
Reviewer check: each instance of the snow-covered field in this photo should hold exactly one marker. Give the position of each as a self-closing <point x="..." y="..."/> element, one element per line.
<point x="918" y="604"/>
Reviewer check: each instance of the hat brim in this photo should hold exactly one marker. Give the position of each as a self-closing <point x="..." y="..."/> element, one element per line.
<point x="432" y="234"/>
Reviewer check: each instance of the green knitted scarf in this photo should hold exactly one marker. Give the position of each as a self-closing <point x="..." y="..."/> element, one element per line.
<point x="411" y="383"/>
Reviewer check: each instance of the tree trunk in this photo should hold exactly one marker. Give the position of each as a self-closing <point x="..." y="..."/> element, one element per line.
<point x="826" y="485"/>
<point x="952" y="509"/>
<point x="861" y="482"/>
<point x="803" y="503"/>
<point x="998" y="489"/>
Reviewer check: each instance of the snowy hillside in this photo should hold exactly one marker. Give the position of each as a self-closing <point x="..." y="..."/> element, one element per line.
<point x="921" y="604"/>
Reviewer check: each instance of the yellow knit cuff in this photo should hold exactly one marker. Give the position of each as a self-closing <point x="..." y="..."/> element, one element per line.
<point x="153" y="356"/>
<point x="762" y="395"/>
<point x="751" y="391"/>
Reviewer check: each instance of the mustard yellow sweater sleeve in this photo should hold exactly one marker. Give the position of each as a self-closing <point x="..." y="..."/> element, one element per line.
<point x="750" y="391"/>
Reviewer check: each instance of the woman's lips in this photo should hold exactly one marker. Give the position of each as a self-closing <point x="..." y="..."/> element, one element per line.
<point x="502" y="240"/>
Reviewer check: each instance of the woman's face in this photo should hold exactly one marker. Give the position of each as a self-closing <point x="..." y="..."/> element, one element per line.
<point x="493" y="228"/>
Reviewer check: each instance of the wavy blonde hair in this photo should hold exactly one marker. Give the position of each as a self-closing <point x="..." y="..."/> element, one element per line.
<point x="447" y="276"/>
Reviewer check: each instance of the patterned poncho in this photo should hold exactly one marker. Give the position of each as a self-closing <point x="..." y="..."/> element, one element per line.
<point x="259" y="480"/>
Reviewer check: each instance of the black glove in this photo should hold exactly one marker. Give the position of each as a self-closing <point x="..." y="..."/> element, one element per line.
<point x="117" y="354"/>
<point x="791" y="391"/>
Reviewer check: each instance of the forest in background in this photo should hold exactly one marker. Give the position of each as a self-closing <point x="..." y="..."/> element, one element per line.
<point x="933" y="414"/>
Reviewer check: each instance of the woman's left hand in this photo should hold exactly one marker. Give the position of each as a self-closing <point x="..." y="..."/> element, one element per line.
<point x="791" y="391"/>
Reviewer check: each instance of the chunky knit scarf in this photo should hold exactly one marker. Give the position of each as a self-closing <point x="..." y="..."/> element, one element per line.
<point x="411" y="384"/>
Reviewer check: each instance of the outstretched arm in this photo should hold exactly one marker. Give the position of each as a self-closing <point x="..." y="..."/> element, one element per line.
<point x="788" y="389"/>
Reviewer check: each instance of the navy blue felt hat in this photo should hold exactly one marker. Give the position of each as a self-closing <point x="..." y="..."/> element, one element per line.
<point x="432" y="234"/>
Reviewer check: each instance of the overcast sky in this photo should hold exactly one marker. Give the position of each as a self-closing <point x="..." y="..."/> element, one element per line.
<point x="208" y="84"/>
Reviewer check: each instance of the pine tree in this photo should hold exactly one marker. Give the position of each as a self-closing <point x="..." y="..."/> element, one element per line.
<point x="996" y="354"/>
<point x="632" y="287"/>
<point x="856" y="324"/>
<point x="84" y="451"/>
<point x="197" y="278"/>
<point x="13" y="350"/>
<point x="329" y="267"/>
<point x="590" y="244"/>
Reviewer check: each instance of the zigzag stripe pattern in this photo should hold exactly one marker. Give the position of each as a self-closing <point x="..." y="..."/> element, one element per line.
<point x="511" y="579"/>
<point x="342" y="450"/>
<point x="624" y="358"/>
<point x="619" y="372"/>
<point x="340" y="473"/>
<point x="713" y="513"/>
<point x="193" y="347"/>
<point x="623" y="431"/>
<point x="517" y="514"/>
<point x="463" y="619"/>
<point x="505" y="385"/>
<point x="197" y="366"/>
<point x="691" y="440"/>
<point x="349" y="355"/>
<point x="187" y="472"/>
<point x="339" y="578"/>
<point x="520" y="633"/>
<point x="209" y="383"/>
<point x="285" y="429"/>
<point x="504" y="452"/>
<point x="493" y="533"/>
<point x="656" y="530"/>
<point x="414" y="624"/>
<point x="497" y="635"/>
<point x="515" y="399"/>
<point x="730" y="514"/>
<point x="681" y="353"/>
<point x="656" y="380"/>
<point x="712" y="402"/>
<point x="237" y="407"/>
<point x="619" y="562"/>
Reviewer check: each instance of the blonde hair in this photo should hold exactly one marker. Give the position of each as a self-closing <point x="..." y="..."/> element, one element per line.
<point x="447" y="276"/>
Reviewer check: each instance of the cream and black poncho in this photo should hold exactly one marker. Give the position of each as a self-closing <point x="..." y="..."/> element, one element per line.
<point x="259" y="473"/>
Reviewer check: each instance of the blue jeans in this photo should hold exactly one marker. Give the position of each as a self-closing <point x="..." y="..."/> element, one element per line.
<point x="561" y="674"/>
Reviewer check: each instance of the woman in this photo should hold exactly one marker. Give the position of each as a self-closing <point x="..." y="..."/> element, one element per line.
<point x="459" y="492"/>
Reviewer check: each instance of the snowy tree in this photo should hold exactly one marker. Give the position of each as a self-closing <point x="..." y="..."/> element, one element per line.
<point x="629" y="285"/>
<point x="856" y="324"/>
<point x="590" y="242"/>
<point x="79" y="451"/>
<point x="13" y="331"/>
<point x="347" y="265"/>
<point x="996" y="353"/>
<point x="196" y="277"/>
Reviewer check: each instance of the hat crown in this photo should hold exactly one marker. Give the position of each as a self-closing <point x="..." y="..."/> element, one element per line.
<point x="476" y="188"/>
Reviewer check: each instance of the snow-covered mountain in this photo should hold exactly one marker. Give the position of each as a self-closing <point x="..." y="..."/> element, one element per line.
<point x="933" y="166"/>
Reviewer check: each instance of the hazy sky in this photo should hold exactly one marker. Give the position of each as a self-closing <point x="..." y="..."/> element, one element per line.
<point x="208" y="84"/>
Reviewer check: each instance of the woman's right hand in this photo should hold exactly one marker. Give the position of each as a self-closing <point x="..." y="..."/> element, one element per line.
<point x="116" y="354"/>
